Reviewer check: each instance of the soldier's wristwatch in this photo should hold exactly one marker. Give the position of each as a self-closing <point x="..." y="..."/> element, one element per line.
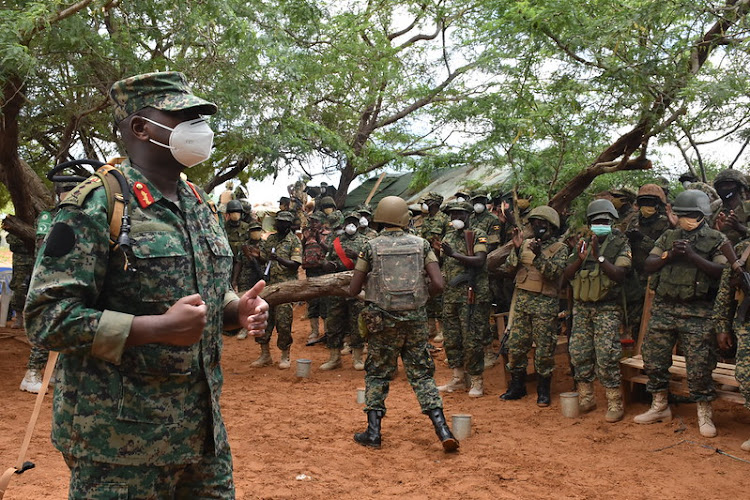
<point x="601" y="259"/>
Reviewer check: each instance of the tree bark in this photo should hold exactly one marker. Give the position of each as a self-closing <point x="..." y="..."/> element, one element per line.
<point x="329" y="285"/>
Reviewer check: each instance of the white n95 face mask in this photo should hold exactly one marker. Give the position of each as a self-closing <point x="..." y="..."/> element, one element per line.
<point x="190" y="141"/>
<point x="363" y="222"/>
<point x="479" y="207"/>
<point x="350" y="229"/>
<point x="457" y="224"/>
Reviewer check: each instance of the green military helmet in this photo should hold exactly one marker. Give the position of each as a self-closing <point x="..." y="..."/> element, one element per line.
<point x="625" y="192"/>
<point x="731" y="175"/>
<point x="599" y="207"/>
<point x="459" y="206"/>
<point x="392" y="210"/>
<point x="327" y="202"/>
<point x="285" y="216"/>
<point x="547" y="213"/>
<point x="691" y="200"/>
<point x="234" y="206"/>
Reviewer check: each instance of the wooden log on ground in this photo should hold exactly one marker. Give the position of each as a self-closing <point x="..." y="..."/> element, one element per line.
<point x="329" y="285"/>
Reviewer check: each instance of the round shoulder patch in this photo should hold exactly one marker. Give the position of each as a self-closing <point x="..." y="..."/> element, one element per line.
<point x="61" y="240"/>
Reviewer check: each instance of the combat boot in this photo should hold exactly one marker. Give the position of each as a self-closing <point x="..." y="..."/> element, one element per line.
<point x="314" y="330"/>
<point x="18" y="322"/>
<point x="705" y="419"/>
<point x="442" y="430"/>
<point x="615" y="409"/>
<point x="489" y="357"/>
<point x="334" y="359"/>
<point x="587" y="399"/>
<point x="477" y="386"/>
<point x="432" y="327"/>
<point x="347" y="349"/>
<point x="542" y="391"/>
<point x="439" y="338"/>
<point x="357" y="362"/>
<point x="457" y="382"/>
<point x="659" y="410"/>
<point x="371" y="437"/>
<point x="284" y="362"/>
<point x="265" y="357"/>
<point x="516" y="388"/>
<point x="32" y="382"/>
<point x="242" y="335"/>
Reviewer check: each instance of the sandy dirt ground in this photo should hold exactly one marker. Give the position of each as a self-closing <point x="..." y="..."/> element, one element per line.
<point x="282" y="427"/>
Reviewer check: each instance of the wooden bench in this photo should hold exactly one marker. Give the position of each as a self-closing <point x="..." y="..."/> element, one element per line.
<point x="632" y="373"/>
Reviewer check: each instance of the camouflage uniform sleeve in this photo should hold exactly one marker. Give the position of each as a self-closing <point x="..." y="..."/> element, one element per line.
<point x="659" y="244"/>
<point x="552" y="267"/>
<point x="61" y="312"/>
<point x="625" y="257"/>
<point x="295" y="250"/>
<point x="722" y="313"/>
<point x="429" y="255"/>
<point x="480" y="241"/>
<point x="364" y="259"/>
<point x="493" y="231"/>
<point x="511" y="263"/>
<point x="717" y="257"/>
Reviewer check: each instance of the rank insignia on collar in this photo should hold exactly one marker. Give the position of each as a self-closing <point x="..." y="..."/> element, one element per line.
<point x="143" y="195"/>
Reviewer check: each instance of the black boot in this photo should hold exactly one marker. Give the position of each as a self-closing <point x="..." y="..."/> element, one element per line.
<point x="442" y="430"/>
<point x="371" y="437"/>
<point x="542" y="391"/>
<point x="517" y="387"/>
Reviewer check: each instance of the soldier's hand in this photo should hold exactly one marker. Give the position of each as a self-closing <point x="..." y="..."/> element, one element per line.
<point x="517" y="237"/>
<point x="253" y="251"/>
<point x="535" y="246"/>
<point x="595" y="247"/>
<point x="724" y="340"/>
<point x="634" y="235"/>
<point x="447" y="249"/>
<point x="581" y="249"/>
<point x="681" y="248"/>
<point x="350" y="253"/>
<point x="252" y="311"/>
<point x="721" y="220"/>
<point x="184" y="321"/>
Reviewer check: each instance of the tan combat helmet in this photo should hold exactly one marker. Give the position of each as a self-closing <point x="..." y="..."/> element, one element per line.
<point x="392" y="210"/>
<point x="547" y="213"/>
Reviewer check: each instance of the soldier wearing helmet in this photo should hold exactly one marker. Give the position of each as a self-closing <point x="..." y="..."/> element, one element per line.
<point x="395" y="266"/>
<point x="623" y="198"/>
<point x="537" y="263"/>
<point x="281" y="252"/>
<point x="248" y="269"/>
<point x="236" y="228"/>
<point x="434" y="226"/>
<point x="686" y="264"/>
<point x="466" y="300"/>
<point x="596" y="270"/>
<point x="731" y="219"/>
<point x="642" y="232"/>
<point x="332" y="216"/>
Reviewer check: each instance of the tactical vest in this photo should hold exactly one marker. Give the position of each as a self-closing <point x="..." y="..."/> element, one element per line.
<point x="397" y="280"/>
<point x="528" y="276"/>
<point x="591" y="283"/>
<point x="681" y="280"/>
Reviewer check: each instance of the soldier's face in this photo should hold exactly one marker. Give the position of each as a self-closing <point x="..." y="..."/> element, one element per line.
<point x="235" y="216"/>
<point x="282" y="226"/>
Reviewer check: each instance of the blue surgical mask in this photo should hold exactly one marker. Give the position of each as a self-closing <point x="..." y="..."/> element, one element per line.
<point x="601" y="229"/>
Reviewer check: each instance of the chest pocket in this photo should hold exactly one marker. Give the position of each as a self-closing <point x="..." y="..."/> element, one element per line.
<point x="163" y="266"/>
<point x="221" y="257"/>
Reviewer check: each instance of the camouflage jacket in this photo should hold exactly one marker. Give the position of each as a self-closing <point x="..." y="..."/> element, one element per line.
<point x="290" y="248"/>
<point x="650" y="228"/>
<point x="364" y="264"/>
<point x="742" y="212"/>
<point x="452" y="269"/>
<point x="729" y="295"/>
<point x="489" y="224"/>
<point x="368" y="232"/>
<point x="550" y="263"/>
<point x="238" y="233"/>
<point x="332" y="220"/>
<point x="355" y="243"/>
<point x="150" y="404"/>
<point x="251" y="269"/>
<point x="434" y="227"/>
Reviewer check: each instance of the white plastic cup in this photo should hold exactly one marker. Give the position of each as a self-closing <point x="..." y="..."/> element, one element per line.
<point x="569" y="404"/>
<point x="361" y="396"/>
<point x="303" y="368"/>
<point x="461" y="426"/>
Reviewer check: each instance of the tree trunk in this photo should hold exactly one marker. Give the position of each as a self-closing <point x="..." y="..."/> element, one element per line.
<point x="329" y="285"/>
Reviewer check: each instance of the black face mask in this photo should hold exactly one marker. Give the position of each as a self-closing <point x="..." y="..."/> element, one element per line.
<point x="725" y="194"/>
<point x="539" y="232"/>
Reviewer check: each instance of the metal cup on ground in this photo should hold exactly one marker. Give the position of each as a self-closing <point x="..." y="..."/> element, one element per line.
<point x="303" y="368"/>
<point x="361" y="395"/>
<point x="569" y="404"/>
<point x="461" y="425"/>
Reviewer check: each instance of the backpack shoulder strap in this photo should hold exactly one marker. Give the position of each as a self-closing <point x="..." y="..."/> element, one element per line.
<point x="115" y="200"/>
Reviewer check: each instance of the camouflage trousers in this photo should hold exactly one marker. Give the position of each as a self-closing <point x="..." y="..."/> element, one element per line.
<point x="742" y="371"/>
<point x="595" y="348"/>
<point x="407" y="339"/>
<point x="211" y="477"/>
<point x="279" y="317"/>
<point x="37" y="358"/>
<point x="534" y="321"/>
<point x="343" y="316"/>
<point x="435" y="307"/>
<point x="465" y="335"/>
<point x="318" y="307"/>
<point x="19" y="282"/>
<point x="690" y="325"/>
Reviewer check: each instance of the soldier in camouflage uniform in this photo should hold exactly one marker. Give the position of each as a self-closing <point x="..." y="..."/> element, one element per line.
<point x="365" y="216"/>
<point x="236" y="228"/>
<point x="727" y="318"/>
<point x="23" y="264"/>
<point x="731" y="218"/>
<point x="537" y="262"/>
<point x="434" y="227"/>
<point x="687" y="263"/>
<point x="466" y="300"/>
<point x="596" y="271"/>
<point x="136" y="408"/>
<point x="283" y="251"/>
<point x="314" y="241"/>
<point x="395" y="265"/>
<point x="642" y="231"/>
<point x="332" y="217"/>
<point x="248" y="268"/>
<point x="343" y="313"/>
<point x="623" y="199"/>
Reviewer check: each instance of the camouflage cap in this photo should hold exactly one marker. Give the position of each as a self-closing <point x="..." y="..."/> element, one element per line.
<point x="166" y="91"/>
<point x="285" y="216"/>
<point x="458" y="206"/>
<point x="351" y="214"/>
<point x="364" y="209"/>
<point x="479" y="194"/>
<point x="433" y="196"/>
<point x="326" y="202"/>
<point x="624" y="192"/>
<point x="255" y="226"/>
